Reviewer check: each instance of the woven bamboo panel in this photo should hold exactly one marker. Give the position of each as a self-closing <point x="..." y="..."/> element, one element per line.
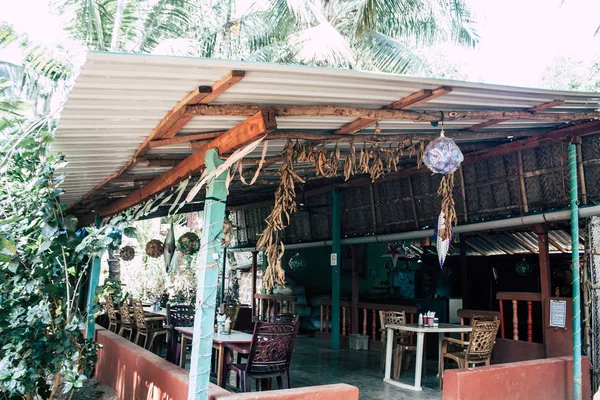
<point x="320" y="219"/>
<point x="393" y="206"/>
<point x="549" y="187"/>
<point x="299" y="228"/>
<point x="590" y="149"/>
<point x="357" y="211"/>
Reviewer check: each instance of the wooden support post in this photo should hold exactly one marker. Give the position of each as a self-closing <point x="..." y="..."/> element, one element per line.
<point x="254" y="269"/>
<point x="515" y="321"/>
<point x="464" y="278"/>
<point x="374" y="327"/>
<point x="94" y="279"/>
<point x="580" y="171"/>
<point x="544" y="262"/>
<point x="522" y="188"/>
<point x="335" y="269"/>
<point x="364" y="321"/>
<point x="326" y="319"/>
<point x="464" y="193"/>
<point x="207" y="275"/>
<point x="501" y="309"/>
<point x="529" y="322"/>
<point x="412" y="202"/>
<point x="355" y="260"/>
<point x="343" y="321"/>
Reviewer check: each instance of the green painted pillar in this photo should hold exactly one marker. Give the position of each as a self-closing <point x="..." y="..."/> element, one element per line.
<point x="94" y="279"/>
<point x="207" y="273"/>
<point x="336" y="234"/>
<point x="575" y="270"/>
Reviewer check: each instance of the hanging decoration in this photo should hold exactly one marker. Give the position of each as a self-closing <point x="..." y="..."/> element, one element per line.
<point x="169" y="247"/>
<point x="443" y="156"/>
<point x="285" y="205"/>
<point x="297" y="262"/>
<point x="393" y="254"/>
<point x="127" y="253"/>
<point x="188" y="243"/>
<point x="523" y="267"/>
<point x="155" y="248"/>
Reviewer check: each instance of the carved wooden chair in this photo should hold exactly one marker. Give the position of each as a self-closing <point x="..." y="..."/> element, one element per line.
<point x="269" y="355"/>
<point x="401" y="341"/>
<point x="148" y="327"/>
<point x="113" y="318"/>
<point x="177" y="315"/>
<point x="126" y="321"/>
<point x="478" y="350"/>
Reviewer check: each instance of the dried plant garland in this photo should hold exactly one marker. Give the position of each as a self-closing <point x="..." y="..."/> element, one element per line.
<point x="448" y="208"/>
<point x="350" y="163"/>
<point x="285" y="205"/>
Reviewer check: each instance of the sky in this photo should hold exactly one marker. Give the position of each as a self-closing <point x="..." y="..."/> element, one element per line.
<point x="518" y="38"/>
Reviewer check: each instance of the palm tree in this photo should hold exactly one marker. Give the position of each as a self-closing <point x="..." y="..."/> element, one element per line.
<point x="366" y="34"/>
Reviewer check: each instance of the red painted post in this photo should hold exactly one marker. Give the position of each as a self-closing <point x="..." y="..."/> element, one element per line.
<point x="364" y="321"/>
<point x="515" y="321"/>
<point x="326" y="319"/>
<point x="529" y="323"/>
<point x="374" y="330"/>
<point x="501" y="319"/>
<point x="343" y="321"/>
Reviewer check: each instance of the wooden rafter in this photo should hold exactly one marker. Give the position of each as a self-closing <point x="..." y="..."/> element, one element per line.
<point x="412" y="100"/>
<point x="184" y="139"/>
<point x="261" y="123"/>
<point x="534" y="109"/>
<point x="387" y="114"/>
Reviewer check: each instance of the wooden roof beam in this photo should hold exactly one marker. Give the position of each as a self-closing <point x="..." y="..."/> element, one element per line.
<point x="184" y="139"/>
<point x="412" y="100"/>
<point x="540" y="107"/>
<point x="387" y="114"/>
<point x="259" y="124"/>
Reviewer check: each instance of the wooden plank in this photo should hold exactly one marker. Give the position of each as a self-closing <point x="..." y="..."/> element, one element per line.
<point x="485" y="124"/>
<point x="184" y="139"/>
<point x="545" y="106"/>
<point x="388" y="114"/>
<point x="519" y="296"/>
<point x="261" y="123"/>
<point x="522" y="188"/>
<point x="412" y="100"/>
<point x="198" y="144"/>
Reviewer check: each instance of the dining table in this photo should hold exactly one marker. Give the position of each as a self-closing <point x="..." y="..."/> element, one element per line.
<point x="421" y="331"/>
<point x="220" y="342"/>
<point x="161" y="312"/>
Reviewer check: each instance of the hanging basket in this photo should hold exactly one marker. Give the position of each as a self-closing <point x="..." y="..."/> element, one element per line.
<point x="442" y="155"/>
<point x="127" y="253"/>
<point x="188" y="243"/>
<point x="155" y="248"/>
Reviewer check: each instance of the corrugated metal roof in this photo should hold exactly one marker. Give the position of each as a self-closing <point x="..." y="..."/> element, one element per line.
<point x="119" y="98"/>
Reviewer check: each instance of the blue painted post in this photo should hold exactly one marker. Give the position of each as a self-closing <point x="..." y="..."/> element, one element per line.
<point x="335" y="271"/>
<point x="207" y="280"/>
<point x="575" y="270"/>
<point x="94" y="279"/>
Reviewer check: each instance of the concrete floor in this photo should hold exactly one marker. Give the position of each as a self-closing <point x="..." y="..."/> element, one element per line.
<point x="314" y="363"/>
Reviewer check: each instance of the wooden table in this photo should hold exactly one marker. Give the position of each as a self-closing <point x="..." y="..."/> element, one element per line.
<point x="219" y="343"/>
<point x="420" y="331"/>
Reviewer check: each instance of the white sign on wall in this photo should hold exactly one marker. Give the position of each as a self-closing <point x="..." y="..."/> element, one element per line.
<point x="334" y="259"/>
<point x="558" y="313"/>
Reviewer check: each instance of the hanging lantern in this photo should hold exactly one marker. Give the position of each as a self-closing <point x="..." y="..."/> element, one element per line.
<point x="127" y="253"/>
<point x="297" y="262"/>
<point x="442" y="156"/>
<point x="523" y="267"/>
<point x="155" y="248"/>
<point x="188" y="243"/>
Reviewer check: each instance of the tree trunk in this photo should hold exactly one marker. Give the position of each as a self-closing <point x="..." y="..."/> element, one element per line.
<point x="114" y="265"/>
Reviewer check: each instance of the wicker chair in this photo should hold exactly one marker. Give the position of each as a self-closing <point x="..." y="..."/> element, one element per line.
<point x="113" y="318"/>
<point x="126" y="321"/>
<point x="148" y="327"/>
<point x="269" y="355"/>
<point x="401" y="343"/>
<point x="478" y="350"/>
<point x="177" y="315"/>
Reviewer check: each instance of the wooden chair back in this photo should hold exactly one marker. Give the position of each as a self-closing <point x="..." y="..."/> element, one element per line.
<point x="272" y="347"/>
<point x="139" y="315"/>
<point x="396" y="318"/>
<point x="286" y="318"/>
<point x="125" y="315"/>
<point x="110" y="309"/>
<point x="468" y="316"/>
<point x="483" y="338"/>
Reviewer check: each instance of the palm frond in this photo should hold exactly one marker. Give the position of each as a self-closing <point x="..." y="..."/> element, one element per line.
<point x="166" y="19"/>
<point x="383" y="53"/>
<point x="322" y="45"/>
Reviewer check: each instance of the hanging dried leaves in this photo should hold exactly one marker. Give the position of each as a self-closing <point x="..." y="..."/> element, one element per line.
<point x="448" y="208"/>
<point x="285" y="205"/>
<point x="350" y="163"/>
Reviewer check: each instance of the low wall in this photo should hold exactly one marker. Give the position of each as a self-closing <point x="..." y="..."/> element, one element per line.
<point x="135" y="373"/>
<point x="547" y="379"/>
<point x="510" y="351"/>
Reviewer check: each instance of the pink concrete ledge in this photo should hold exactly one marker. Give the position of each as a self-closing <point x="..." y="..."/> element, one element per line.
<point x="135" y="373"/>
<point x="547" y="379"/>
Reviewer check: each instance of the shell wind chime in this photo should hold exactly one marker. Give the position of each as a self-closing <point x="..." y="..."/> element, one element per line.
<point x="442" y="156"/>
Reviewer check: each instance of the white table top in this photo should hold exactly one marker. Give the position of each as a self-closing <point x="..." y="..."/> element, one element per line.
<point x="442" y="328"/>
<point x="161" y="312"/>
<point x="234" y="337"/>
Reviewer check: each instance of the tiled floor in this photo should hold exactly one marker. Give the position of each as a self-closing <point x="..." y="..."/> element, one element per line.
<point x="314" y="363"/>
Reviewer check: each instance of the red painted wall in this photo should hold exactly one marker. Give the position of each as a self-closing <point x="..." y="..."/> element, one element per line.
<point x="547" y="379"/>
<point x="135" y="373"/>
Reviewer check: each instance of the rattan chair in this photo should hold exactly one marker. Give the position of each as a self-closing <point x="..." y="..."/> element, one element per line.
<point x="401" y="341"/>
<point x="113" y="318"/>
<point x="126" y="321"/>
<point x="148" y="327"/>
<point x="477" y="351"/>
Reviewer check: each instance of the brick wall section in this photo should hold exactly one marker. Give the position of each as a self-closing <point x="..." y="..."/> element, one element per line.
<point x="135" y="373"/>
<point x="547" y="379"/>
